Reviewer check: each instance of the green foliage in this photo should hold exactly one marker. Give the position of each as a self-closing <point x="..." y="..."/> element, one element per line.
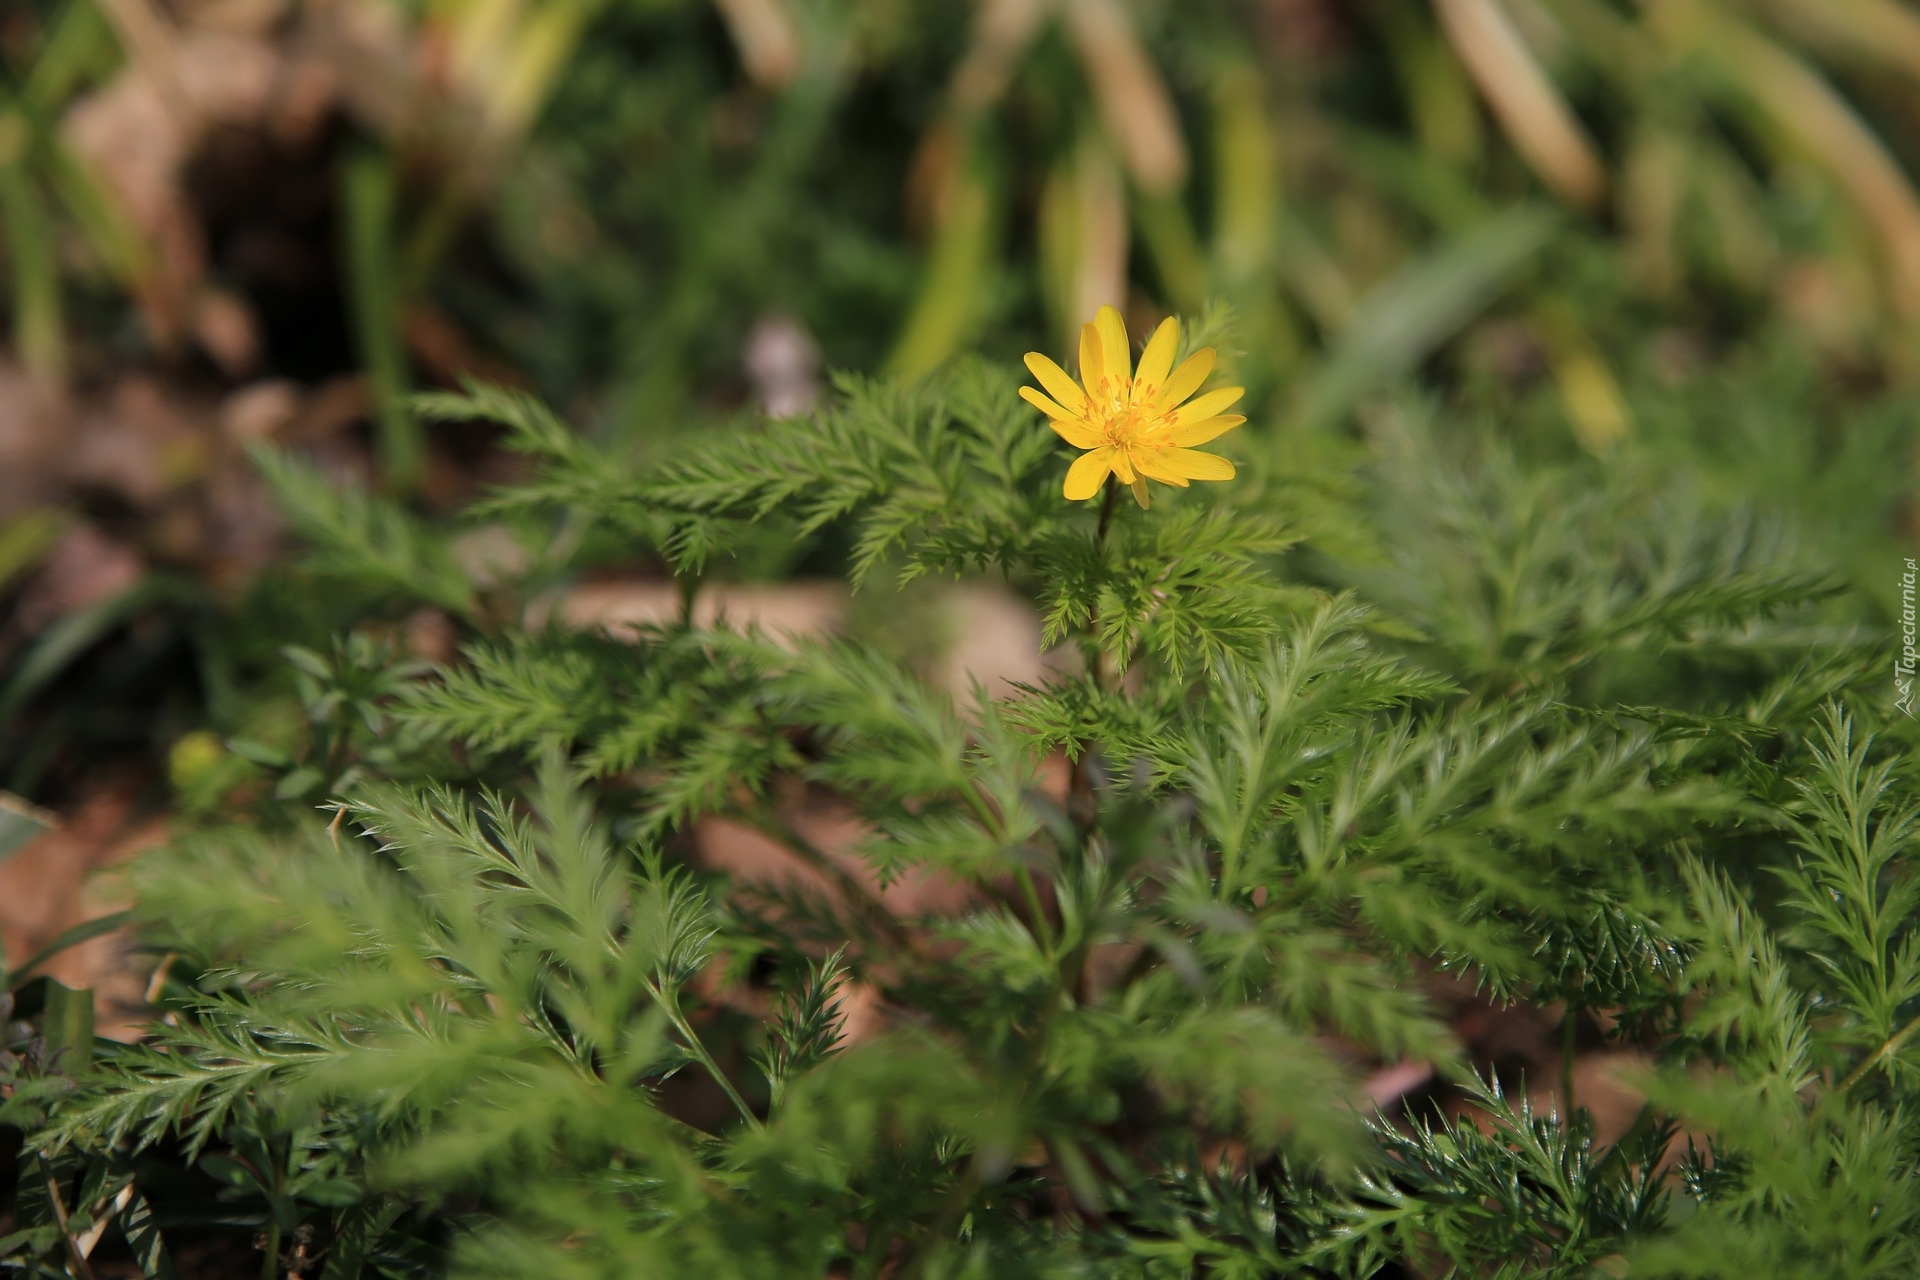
<point x="1582" y="704"/>
<point x="1132" y="1040"/>
<point x="366" y="538"/>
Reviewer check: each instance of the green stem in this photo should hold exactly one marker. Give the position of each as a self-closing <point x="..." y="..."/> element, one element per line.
<point x="1107" y="505"/>
<point x="1041" y="925"/>
<point x="688" y="586"/>
<point x="270" y="1265"/>
<point x="1893" y="1045"/>
<point x="1080" y="786"/>
<point x="369" y="198"/>
<point x="39" y="329"/>
<point x="1175" y="250"/>
<point x="953" y="1210"/>
<point x="669" y="1001"/>
<point x="1569" y="1029"/>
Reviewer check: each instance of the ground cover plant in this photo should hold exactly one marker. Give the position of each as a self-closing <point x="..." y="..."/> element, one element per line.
<point x="1461" y="825"/>
<point x="1573" y="732"/>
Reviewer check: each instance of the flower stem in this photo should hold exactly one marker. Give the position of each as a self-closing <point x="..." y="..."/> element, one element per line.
<point x="1080" y="786"/>
<point x="1107" y="505"/>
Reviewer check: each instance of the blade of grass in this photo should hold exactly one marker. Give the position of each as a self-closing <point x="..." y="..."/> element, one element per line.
<point x="108" y="231"/>
<point x="1408" y="316"/>
<point x="1132" y="97"/>
<point x="1881" y="30"/>
<point x="142" y="1234"/>
<point x="1083" y="236"/>
<point x="959" y="272"/>
<point x="38" y="325"/>
<point x="24" y="540"/>
<point x="370" y="197"/>
<point x="79" y="48"/>
<point x="1807" y="109"/>
<point x="1313" y="276"/>
<point x="63" y="642"/>
<point x="148" y="37"/>
<point x="66" y="1022"/>
<point x="1246" y="193"/>
<point x="1003" y="30"/>
<point x="763" y="31"/>
<point x="1588" y="390"/>
<point x="85" y="931"/>
<point x="1169" y="236"/>
<point x="543" y="45"/>
<point x="1446" y="119"/>
<point x="1530" y="109"/>
<point x="21" y="823"/>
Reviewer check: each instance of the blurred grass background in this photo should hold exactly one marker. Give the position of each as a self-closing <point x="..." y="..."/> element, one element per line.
<point x="1676" y="234"/>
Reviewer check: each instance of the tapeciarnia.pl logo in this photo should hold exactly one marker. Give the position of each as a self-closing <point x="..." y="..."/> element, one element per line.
<point x="1904" y="664"/>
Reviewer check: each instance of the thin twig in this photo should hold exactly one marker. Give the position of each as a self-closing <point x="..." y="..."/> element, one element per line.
<point x="82" y="1269"/>
<point x="92" y="1238"/>
<point x="157" y="981"/>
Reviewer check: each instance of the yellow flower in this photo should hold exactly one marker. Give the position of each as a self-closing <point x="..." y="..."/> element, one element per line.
<point x="1137" y="424"/>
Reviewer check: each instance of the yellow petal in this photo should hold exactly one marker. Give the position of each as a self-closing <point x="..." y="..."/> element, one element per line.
<point x="1157" y="360"/>
<point x="1185" y="380"/>
<point x="1202" y="431"/>
<point x="1140" y="494"/>
<point x="1198" y="465"/>
<point x="1152" y="464"/>
<point x="1114" y="348"/>
<point x="1087" y="473"/>
<point x="1123" y="466"/>
<point x="1207" y="406"/>
<point x="1058" y="384"/>
<point x="1076" y="433"/>
<point x="1045" y="404"/>
<point x="1093" y="365"/>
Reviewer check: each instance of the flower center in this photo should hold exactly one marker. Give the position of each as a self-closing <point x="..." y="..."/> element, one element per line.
<point x="1123" y="423"/>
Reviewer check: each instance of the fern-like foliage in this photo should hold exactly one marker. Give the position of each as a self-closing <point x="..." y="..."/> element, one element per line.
<point x="1804" y="1167"/>
<point x="1556" y="731"/>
